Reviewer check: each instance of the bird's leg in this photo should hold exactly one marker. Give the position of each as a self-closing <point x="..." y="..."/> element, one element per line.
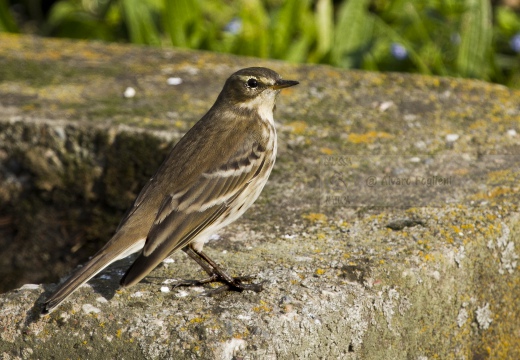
<point x="192" y="254"/>
<point x="216" y="273"/>
<point x="212" y="277"/>
<point x="232" y="283"/>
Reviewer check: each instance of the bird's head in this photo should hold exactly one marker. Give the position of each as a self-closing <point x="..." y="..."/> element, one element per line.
<point x="254" y="88"/>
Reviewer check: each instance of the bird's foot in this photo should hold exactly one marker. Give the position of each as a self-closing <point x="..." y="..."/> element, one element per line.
<point x="236" y="284"/>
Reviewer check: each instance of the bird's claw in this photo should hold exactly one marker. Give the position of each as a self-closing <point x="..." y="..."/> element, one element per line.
<point x="236" y="285"/>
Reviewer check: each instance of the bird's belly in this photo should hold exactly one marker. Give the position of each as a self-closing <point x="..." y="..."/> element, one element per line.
<point x="237" y="208"/>
<point x="246" y="198"/>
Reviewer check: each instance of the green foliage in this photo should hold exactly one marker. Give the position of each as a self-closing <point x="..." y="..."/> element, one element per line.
<point x="182" y="23"/>
<point x="467" y="38"/>
<point x="476" y="34"/>
<point x="141" y="26"/>
<point x="353" y="35"/>
<point x="6" y="20"/>
<point x="68" y="19"/>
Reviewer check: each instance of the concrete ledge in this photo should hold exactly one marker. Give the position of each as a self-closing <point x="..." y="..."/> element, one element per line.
<point x="389" y="228"/>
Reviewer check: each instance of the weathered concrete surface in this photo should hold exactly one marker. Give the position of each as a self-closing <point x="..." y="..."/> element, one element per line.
<point x="435" y="159"/>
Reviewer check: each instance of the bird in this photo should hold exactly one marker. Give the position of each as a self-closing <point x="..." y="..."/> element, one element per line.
<point x="212" y="175"/>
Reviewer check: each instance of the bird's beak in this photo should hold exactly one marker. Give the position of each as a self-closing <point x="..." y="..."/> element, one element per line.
<point x="280" y="84"/>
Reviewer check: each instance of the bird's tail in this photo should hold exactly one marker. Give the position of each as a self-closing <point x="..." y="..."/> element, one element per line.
<point x="115" y="249"/>
<point x="81" y="276"/>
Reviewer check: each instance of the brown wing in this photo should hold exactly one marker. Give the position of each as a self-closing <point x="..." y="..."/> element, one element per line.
<point x="185" y="214"/>
<point x="198" y="152"/>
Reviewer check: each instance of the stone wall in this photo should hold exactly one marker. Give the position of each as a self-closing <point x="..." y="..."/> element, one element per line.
<point x="389" y="228"/>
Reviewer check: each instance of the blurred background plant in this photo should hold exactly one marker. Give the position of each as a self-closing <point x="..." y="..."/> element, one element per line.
<point x="468" y="38"/>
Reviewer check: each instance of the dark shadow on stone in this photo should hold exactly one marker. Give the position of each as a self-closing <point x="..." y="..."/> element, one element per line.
<point x="101" y="285"/>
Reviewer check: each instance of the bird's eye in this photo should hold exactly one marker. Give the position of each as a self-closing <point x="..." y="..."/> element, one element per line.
<point x="252" y="83"/>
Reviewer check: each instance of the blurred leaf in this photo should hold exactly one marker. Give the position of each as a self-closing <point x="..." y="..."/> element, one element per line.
<point x="298" y="50"/>
<point x="213" y="33"/>
<point x="139" y="18"/>
<point x="305" y="37"/>
<point x="475" y="40"/>
<point x="254" y="37"/>
<point x="353" y="32"/>
<point x="428" y="56"/>
<point x="507" y="20"/>
<point x="181" y="17"/>
<point x="7" y="22"/>
<point x="286" y="24"/>
<point x="69" y="19"/>
<point x="384" y="30"/>
<point x="324" y="27"/>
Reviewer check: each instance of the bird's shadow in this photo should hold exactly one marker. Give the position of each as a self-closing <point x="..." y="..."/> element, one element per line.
<point x="106" y="283"/>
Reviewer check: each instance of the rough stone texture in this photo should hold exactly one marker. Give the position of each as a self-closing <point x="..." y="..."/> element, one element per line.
<point x="389" y="229"/>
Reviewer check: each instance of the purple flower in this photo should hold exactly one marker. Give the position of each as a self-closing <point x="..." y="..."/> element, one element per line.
<point x="398" y="51"/>
<point x="234" y="26"/>
<point x="515" y="43"/>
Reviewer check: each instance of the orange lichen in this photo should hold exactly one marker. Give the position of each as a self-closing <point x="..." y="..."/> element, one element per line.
<point x="315" y="217"/>
<point x="262" y="307"/>
<point x="369" y="137"/>
<point x="326" y="151"/>
<point x="298" y="127"/>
